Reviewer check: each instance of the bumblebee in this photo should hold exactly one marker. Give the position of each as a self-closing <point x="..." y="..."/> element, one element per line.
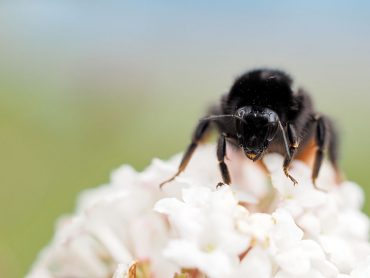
<point x="262" y="113"/>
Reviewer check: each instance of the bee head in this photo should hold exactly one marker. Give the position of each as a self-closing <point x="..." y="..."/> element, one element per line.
<point x="255" y="129"/>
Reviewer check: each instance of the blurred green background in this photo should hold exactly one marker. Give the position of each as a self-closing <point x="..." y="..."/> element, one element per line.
<point x="86" y="86"/>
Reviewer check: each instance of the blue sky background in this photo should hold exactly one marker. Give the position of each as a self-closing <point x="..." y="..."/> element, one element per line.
<point x="312" y="39"/>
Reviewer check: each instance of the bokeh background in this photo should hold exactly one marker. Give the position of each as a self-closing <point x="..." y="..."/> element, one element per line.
<point x="88" y="85"/>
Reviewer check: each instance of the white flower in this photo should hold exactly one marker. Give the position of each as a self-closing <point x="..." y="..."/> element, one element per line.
<point x="250" y="229"/>
<point x="362" y="270"/>
<point x="205" y="223"/>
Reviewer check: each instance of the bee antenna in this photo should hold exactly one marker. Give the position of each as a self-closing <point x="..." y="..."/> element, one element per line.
<point x="215" y="117"/>
<point x="285" y="139"/>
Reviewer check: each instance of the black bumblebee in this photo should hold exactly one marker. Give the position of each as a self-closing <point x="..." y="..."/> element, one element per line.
<point x="263" y="113"/>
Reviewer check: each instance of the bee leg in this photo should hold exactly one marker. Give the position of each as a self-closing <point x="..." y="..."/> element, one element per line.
<point x="200" y="131"/>
<point x="293" y="146"/>
<point x="221" y="153"/>
<point x="333" y="150"/>
<point x="321" y="142"/>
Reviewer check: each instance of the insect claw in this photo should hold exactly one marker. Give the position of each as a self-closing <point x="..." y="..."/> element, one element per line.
<point x="166" y="181"/>
<point x="295" y="182"/>
<point x="220" y="184"/>
<point x="162" y="184"/>
<point x="316" y="187"/>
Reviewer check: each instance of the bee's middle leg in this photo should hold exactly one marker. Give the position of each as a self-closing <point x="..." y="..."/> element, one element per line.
<point x="221" y="153"/>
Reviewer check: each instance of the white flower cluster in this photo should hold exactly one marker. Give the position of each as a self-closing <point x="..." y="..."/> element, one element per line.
<point x="259" y="227"/>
